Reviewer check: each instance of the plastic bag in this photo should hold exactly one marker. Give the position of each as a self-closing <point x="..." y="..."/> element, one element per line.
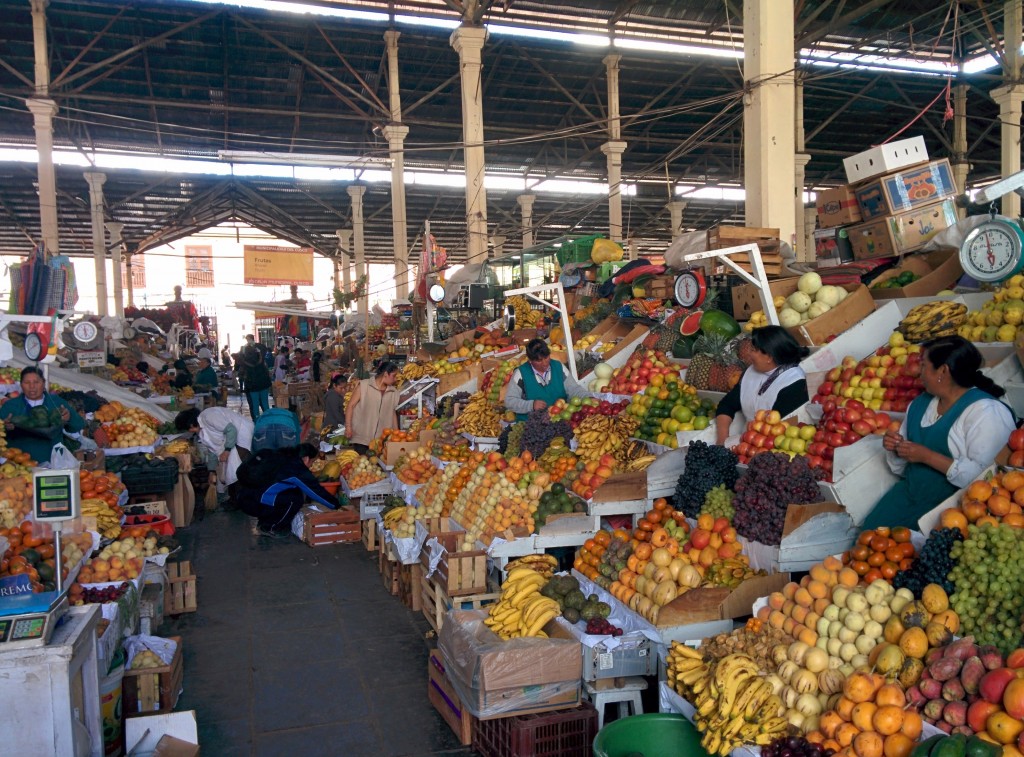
<point x="605" y="251"/>
<point x="62" y="459"/>
<point x="162" y="648"/>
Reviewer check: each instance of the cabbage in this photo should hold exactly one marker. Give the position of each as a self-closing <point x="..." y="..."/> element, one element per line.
<point x="788" y="318"/>
<point x="603" y="370"/>
<point x="816" y="309"/>
<point x="809" y="283"/>
<point x="828" y="295"/>
<point x="799" y="301"/>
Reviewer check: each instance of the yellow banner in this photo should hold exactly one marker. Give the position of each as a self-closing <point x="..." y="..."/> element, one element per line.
<point x="278" y="265"/>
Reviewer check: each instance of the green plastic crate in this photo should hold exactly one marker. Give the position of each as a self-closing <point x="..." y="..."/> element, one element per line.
<point x="578" y="250"/>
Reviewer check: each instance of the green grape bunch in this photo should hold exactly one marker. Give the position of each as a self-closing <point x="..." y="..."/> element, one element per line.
<point x="989" y="584"/>
<point x="718" y="502"/>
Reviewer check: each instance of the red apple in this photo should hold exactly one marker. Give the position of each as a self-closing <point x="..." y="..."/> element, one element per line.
<point x="862" y="428"/>
<point x="978" y="713"/>
<point x="835" y="439"/>
<point x="994" y="683"/>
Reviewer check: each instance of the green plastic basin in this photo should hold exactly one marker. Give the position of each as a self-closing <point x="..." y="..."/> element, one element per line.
<point x="653" y="735"/>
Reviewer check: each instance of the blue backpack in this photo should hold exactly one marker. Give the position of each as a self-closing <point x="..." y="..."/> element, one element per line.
<point x="276" y="429"/>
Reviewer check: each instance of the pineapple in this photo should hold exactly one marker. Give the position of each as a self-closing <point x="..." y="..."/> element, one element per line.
<point x="714" y="365"/>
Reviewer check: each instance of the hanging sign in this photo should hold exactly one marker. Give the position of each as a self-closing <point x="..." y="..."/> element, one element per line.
<point x="91" y="358"/>
<point x="267" y="266"/>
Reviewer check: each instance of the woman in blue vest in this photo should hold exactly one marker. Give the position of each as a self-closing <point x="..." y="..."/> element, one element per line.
<point x="951" y="433"/>
<point x="540" y="382"/>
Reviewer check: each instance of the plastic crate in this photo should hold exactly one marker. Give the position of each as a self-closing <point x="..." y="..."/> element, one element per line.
<point x="562" y="733"/>
<point x="160" y="523"/>
<point x="578" y="250"/>
<point x="371" y="504"/>
<point x="152" y="480"/>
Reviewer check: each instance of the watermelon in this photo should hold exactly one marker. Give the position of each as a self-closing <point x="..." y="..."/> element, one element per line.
<point x="717" y="322"/>
<point x="691" y="324"/>
<point x="683" y="347"/>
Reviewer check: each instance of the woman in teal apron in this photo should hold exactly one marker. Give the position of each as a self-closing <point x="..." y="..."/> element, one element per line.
<point x="540" y="382"/>
<point x="952" y="432"/>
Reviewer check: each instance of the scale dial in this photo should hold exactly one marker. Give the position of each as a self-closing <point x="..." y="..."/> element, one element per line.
<point x="992" y="251"/>
<point x="85" y="331"/>
<point x="435" y="293"/>
<point x="33" y="346"/>
<point x="690" y="289"/>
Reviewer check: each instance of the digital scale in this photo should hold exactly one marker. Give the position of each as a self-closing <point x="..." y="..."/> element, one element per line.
<point x="28" y="619"/>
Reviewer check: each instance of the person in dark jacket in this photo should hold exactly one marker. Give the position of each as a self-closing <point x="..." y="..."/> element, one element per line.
<point x="182" y="375"/>
<point x="273" y="485"/>
<point x="257" y="382"/>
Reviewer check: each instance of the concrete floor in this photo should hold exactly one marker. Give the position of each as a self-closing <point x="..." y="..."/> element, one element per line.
<point x="300" y="651"/>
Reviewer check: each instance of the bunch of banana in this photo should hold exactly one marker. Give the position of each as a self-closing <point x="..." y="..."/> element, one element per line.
<point x="393" y="516"/>
<point x="415" y="371"/>
<point x="347" y="457"/>
<point x="634" y="456"/>
<point x="730" y="572"/>
<point x="176" y="447"/>
<point x="601" y="434"/>
<point x="108" y="522"/>
<point x="933" y="319"/>
<point x="543" y="564"/>
<point x="479" y="417"/>
<point x="526" y="316"/>
<point x="522" y="609"/>
<point x="734" y="702"/>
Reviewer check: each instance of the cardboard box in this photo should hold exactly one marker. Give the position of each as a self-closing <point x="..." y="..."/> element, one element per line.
<point x="901" y="233"/>
<point x="906" y="190"/>
<point x="91" y="459"/>
<point x="832" y="245"/>
<point x="719" y="603"/>
<point x="937" y="270"/>
<point x="172" y="734"/>
<point x="496" y="679"/>
<point x="837" y="207"/>
<point x="623" y="487"/>
<point x="446" y="701"/>
<point x="885" y="159"/>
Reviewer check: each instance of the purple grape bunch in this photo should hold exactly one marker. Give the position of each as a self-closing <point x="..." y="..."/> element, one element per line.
<point x="772" y="483"/>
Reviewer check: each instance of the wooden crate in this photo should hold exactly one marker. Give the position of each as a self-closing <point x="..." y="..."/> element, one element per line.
<point x="435" y="602"/>
<point x="180" y="595"/>
<point x="459" y="573"/>
<point x="388" y="565"/>
<point x="370" y="540"/>
<point x="410" y="578"/>
<point x="333" y="527"/>
<point x="150" y="690"/>
<point x="446" y="701"/>
<point x="767" y="240"/>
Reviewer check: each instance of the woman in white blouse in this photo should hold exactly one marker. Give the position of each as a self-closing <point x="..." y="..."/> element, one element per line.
<point x="951" y="433"/>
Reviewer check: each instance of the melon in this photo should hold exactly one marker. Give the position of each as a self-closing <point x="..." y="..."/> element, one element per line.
<point x="603" y="370"/>
<point x="599" y="384"/>
<point x="816" y="309"/>
<point x="788" y="318"/>
<point x="828" y="295"/>
<point x="683" y="347"/>
<point x="717" y="322"/>
<point x="799" y="301"/>
<point x="690" y="325"/>
<point x="809" y="283"/>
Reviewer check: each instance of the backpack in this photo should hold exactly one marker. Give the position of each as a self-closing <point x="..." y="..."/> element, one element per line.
<point x="276" y="429"/>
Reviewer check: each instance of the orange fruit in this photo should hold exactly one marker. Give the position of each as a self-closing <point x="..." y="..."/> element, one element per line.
<point x="954" y="518"/>
<point x="980" y="490"/>
<point x="898" y="745"/>
<point x="868" y="744"/>
<point x="888" y="719"/>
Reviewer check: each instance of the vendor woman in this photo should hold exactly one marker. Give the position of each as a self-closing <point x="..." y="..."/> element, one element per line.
<point x="540" y="382"/>
<point x="33" y="395"/>
<point x="951" y="433"/>
<point x="773" y="381"/>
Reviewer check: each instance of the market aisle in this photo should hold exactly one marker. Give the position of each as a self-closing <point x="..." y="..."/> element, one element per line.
<point x="299" y="651"/>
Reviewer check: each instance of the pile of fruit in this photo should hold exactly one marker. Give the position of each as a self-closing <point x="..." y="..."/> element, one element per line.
<point x="640" y="371"/>
<point x="362" y="473"/>
<point x="556" y="501"/>
<point x="943" y="318"/>
<point x="432" y="495"/>
<point x="494" y="381"/>
<point x="559" y="461"/>
<point x="84" y="595"/>
<point x="665" y="408"/>
<point x="572" y="602"/>
<point x="399" y="518"/>
<point x="707" y="466"/>
<point x="932" y="565"/>
<point x="888" y="380"/>
<point x="147" y="659"/>
<point x="533" y="435"/>
<point x="989" y="501"/>
<point x="33" y="554"/>
<point x="15" y="497"/>
<point x="415" y="371"/>
<point x="522" y="610"/>
<point x="602" y="627"/>
<point x="881" y="553"/>
<point x="131" y="427"/>
<point x="810" y="300"/>
<point x="767" y="431"/>
<point x="453" y="453"/>
<point x="770" y="485"/>
<point x="415" y="467"/>
<point x="479" y="418"/>
<point x="1000" y="318"/>
<point x="104" y="516"/>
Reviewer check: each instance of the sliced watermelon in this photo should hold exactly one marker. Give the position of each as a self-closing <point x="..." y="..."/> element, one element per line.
<point x="690" y="325"/>
<point x="717" y="322"/>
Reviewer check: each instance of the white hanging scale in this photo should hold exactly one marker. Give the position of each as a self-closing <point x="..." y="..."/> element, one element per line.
<point x="690" y="288"/>
<point x="992" y="251"/>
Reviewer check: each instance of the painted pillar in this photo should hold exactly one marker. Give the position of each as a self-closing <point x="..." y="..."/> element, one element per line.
<point x="526" y="208"/>
<point x="959" y="158"/>
<point x="43" y="110"/>
<point x="128" y="278"/>
<point x="468" y="41"/>
<point x="1009" y="98"/>
<point x="337" y="272"/>
<point x="632" y="249"/>
<point x="799" y="242"/>
<point x="99" y="252"/>
<point x="498" y="245"/>
<point x="115" y="229"/>
<point x="675" y="214"/>
<point x="613" y="149"/>
<point x="344" y="240"/>
<point x="769" y="114"/>
<point x="395" y="133"/>
<point x="356" y="193"/>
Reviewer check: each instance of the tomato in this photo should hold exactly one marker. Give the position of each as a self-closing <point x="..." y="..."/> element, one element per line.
<point x="1017" y="439"/>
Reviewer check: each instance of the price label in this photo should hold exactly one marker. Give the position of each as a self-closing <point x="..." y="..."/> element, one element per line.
<point x="91" y="358"/>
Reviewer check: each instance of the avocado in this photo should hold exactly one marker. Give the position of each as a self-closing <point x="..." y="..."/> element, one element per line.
<point x="923" y="748"/>
<point x="952" y="746"/>
<point x="571" y="614"/>
<point x="980" y="748"/>
<point x="557" y="489"/>
<point x="32" y="556"/>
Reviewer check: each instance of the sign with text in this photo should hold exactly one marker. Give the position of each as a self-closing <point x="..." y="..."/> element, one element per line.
<point x="266" y="266"/>
<point x="91" y="358"/>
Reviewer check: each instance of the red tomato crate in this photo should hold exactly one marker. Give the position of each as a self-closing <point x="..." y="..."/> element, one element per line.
<point x="562" y="733"/>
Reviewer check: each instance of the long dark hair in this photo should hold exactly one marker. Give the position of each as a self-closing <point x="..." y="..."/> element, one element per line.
<point x="388" y="366"/>
<point x="964" y="362"/>
<point x="778" y="344"/>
